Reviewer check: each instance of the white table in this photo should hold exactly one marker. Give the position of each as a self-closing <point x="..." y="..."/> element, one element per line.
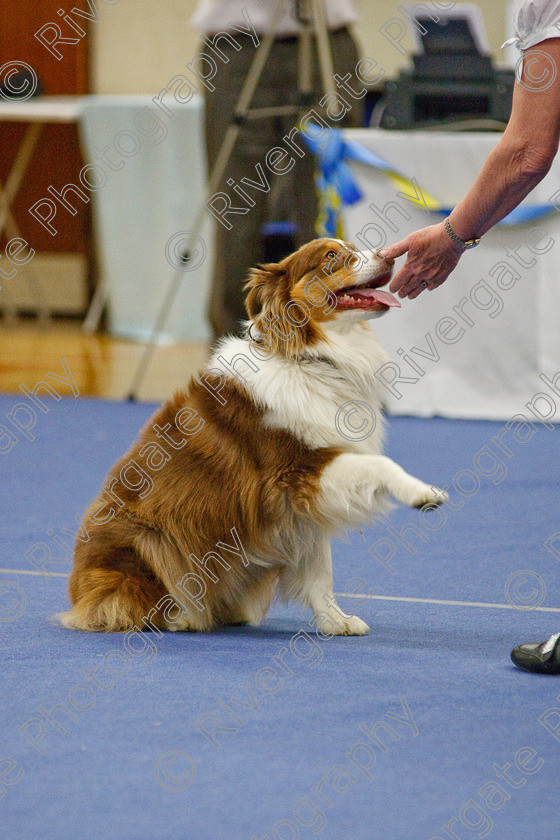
<point x="36" y="112"/>
<point x="492" y="370"/>
<point x="42" y="109"/>
<point x="138" y="211"/>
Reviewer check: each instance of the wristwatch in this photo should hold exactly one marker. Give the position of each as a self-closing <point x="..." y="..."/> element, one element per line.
<point x="470" y="243"/>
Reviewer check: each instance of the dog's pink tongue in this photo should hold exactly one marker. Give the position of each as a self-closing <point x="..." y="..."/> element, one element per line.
<point x="376" y="294"/>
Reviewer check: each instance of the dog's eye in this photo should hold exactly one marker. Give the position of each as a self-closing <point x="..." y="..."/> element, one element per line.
<point x="330" y="255"/>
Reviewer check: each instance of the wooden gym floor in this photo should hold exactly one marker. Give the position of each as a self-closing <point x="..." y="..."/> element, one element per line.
<point x="102" y="366"/>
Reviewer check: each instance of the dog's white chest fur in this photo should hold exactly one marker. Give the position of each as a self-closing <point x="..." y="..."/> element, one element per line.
<point x="329" y="397"/>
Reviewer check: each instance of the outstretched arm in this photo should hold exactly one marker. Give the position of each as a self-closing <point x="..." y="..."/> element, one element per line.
<point x="515" y="166"/>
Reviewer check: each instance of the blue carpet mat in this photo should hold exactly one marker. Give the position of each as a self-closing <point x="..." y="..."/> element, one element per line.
<point x="191" y="738"/>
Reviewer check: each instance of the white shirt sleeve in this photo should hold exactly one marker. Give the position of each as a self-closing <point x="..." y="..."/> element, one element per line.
<point x="535" y="21"/>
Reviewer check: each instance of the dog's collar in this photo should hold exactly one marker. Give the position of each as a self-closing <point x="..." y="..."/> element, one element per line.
<point x="301" y="358"/>
<point x="321" y="359"/>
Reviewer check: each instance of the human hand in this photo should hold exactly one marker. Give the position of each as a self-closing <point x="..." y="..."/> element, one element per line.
<point x="432" y="256"/>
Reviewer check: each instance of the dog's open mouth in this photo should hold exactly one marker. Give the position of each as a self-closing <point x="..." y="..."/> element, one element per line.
<point x="366" y="296"/>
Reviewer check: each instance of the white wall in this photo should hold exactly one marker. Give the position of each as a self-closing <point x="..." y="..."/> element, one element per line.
<point x="139" y="45"/>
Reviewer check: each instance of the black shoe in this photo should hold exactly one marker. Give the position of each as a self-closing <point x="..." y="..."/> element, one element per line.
<point x="541" y="658"/>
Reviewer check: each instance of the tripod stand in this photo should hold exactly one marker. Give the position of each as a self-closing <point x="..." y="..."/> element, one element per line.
<point x="312" y="18"/>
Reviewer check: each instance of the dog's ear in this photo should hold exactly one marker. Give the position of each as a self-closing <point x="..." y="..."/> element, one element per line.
<point x="270" y="306"/>
<point x="262" y="288"/>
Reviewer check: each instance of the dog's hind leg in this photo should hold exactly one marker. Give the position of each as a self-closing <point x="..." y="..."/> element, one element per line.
<point x="250" y="607"/>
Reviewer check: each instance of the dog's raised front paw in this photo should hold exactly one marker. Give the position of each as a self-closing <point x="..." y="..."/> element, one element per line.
<point x="425" y="494"/>
<point x="439" y="497"/>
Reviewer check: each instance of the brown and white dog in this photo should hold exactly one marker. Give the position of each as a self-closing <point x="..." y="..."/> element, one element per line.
<point x="235" y="486"/>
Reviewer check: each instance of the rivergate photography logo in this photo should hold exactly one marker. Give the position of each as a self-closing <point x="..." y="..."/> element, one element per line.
<point x="18" y="81"/>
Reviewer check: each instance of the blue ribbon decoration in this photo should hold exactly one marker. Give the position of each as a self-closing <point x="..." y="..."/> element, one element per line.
<point x="338" y="188"/>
